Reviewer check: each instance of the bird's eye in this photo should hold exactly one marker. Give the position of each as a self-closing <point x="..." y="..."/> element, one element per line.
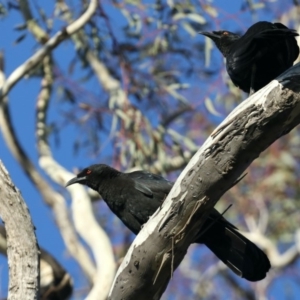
<point x="88" y="172"/>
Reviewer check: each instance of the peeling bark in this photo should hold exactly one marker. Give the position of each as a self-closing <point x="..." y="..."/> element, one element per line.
<point x="251" y="128"/>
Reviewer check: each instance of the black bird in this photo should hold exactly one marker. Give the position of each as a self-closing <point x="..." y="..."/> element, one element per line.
<point x="264" y="52"/>
<point x="135" y="196"/>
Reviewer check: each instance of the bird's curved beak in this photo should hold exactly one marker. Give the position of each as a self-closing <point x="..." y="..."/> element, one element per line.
<point x="76" y="180"/>
<point x="212" y="35"/>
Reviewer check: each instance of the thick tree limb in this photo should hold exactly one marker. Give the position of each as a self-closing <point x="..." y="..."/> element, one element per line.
<point x="55" y="282"/>
<point x="22" y="248"/>
<point x="251" y="128"/>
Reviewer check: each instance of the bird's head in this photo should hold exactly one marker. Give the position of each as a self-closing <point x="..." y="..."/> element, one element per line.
<point x="92" y="176"/>
<point x="223" y="39"/>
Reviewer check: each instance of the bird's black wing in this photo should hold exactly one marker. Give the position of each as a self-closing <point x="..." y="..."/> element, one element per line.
<point x="150" y="184"/>
<point x="143" y="194"/>
<point x="257" y="41"/>
<point x="220" y="236"/>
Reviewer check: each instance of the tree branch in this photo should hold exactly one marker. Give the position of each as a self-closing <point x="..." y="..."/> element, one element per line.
<point x="251" y="128"/>
<point x="22" y="247"/>
<point x="277" y="259"/>
<point x="50" y="196"/>
<point x="82" y="211"/>
<point x="55" y="282"/>
<point x="52" y="43"/>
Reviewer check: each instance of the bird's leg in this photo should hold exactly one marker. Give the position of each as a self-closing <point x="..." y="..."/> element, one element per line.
<point x="253" y="71"/>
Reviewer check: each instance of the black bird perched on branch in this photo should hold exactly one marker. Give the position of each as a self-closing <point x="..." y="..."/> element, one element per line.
<point x="135" y="196"/>
<point x="264" y="52"/>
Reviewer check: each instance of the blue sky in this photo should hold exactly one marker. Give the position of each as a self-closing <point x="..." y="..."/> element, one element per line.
<point x="22" y="105"/>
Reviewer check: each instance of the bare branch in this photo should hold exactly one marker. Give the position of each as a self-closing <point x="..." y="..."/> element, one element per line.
<point x="38" y="32"/>
<point x="51" y="197"/>
<point x="83" y="216"/>
<point x="52" y="43"/>
<point x="123" y="110"/>
<point x="277" y="259"/>
<point x="22" y="247"/>
<point x="253" y="126"/>
<point x="98" y="238"/>
<point x="55" y="282"/>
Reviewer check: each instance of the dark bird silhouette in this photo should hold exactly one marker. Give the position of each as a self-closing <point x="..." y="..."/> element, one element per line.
<point x="264" y="52"/>
<point x="135" y="196"/>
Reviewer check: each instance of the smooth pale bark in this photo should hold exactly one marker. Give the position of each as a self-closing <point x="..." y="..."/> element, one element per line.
<point x="22" y="248"/>
<point x="251" y="128"/>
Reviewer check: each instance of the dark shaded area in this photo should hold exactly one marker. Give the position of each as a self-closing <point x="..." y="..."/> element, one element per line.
<point x="135" y="196"/>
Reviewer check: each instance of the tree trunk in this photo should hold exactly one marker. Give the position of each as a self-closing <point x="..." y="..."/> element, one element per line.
<point x="22" y="248"/>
